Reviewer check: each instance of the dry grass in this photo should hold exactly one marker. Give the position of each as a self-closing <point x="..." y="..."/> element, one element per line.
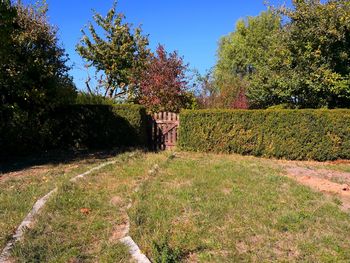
<point x="236" y="209"/>
<point x="19" y="190"/>
<point x="86" y="219"/>
<point x="194" y="208"/>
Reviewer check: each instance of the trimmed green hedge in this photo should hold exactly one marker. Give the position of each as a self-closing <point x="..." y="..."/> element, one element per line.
<point x="74" y="127"/>
<point x="290" y="134"/>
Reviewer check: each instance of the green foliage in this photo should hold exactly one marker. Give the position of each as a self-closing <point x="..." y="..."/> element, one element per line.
<point x="190" y="101"/>
<point x="137" y="118"/>
<point x="77" y="127"/>
<point x="302" y="62"/>
<point x="164" y="253"/>
<point x="93" y="99"/>
<point x="7" y="26"/>
<point x="33" y="74"/>
<point x="247" y="52"/>
<point x="291" y="134"/>
<point x="245" y="49"/>
<point x="33" y="70"/>
<point x="120" y="55"/>
<point x="97" y="126"/>
<point x="318" y="40"/>
<point x="220" y="92"/>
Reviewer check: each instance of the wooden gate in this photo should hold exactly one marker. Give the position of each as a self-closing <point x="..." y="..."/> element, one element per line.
<point x="164" y="130"/>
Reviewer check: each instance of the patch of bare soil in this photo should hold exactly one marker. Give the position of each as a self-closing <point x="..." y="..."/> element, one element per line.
<point x="177" y="184"/>
<point x="192" y="257"/>
<point x="320" y="180"/>
<point x="121" y="229"/>
<point x="117" y="201"/>
<point x="331" y="175"/>
<point x="227" y="190"/>
<point x="339" y="162"/>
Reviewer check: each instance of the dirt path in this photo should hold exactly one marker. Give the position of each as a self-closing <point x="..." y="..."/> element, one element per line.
<point x="323" y="180"/>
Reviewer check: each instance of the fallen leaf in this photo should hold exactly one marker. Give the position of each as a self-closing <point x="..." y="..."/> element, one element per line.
<point x="85" y="211"/>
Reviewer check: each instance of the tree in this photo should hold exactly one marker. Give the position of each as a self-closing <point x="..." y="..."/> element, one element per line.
<point x="319" y="41"/>
<point x="230" y="93"/>
<point x="119" y="56"/>
<point x="247" y="52"/>
<point x="33" y="70"/>
<point x="7" y="27"/>
<point x="163" y="83"/>
<point x="297" y="57"/>
<point x="33" y="75"/>
<point x="205" y="89"/>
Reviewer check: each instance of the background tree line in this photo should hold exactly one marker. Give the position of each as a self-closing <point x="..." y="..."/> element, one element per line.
<point x="36" y="88"/>
<point x="34" y="69"/>
<point x="296" y="57"/>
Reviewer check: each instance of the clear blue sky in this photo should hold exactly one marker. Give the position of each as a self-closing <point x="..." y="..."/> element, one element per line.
<point x="192" y="27"/>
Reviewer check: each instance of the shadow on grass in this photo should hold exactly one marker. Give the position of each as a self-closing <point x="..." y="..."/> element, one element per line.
<point x="14" y="164"/>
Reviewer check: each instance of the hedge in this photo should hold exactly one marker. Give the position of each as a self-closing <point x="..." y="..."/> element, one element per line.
<point x="289" y="134"/>
<point x="74" y="127"/>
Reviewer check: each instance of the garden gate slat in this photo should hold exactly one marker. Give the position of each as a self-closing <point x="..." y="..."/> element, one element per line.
<point x="164" y="130"/>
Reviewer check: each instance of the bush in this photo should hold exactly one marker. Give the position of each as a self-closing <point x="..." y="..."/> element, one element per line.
<point x="291" y="134"/>
<point x="93" y="99"/>
<point x="74" y="127"/>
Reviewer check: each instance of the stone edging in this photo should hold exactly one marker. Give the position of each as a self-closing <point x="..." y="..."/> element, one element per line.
<point x="29" y="219"/>
<point x="134" y="249"/>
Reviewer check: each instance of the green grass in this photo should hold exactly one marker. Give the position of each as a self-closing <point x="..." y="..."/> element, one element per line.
<point x="220" y="208"/>
<point x="195" y="208"/>
<point x="63" y="233"/>
<point x="19" y="191"/>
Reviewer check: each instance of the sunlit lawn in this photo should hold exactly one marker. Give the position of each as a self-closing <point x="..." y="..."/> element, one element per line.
<point x="20" y="190"/>
<point x="196" y="208"/>
<point x="220" y="208"/>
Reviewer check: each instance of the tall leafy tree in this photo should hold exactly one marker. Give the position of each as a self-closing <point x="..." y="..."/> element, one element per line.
<point x="319" y="43"/>
<point x="33" y="70"/>
<point x="118" y="57"/>
<point x="163" y="83"/>
<point x="33" y="74"/>
<point x="302" y="63"/>
<point x="7" y="27"/>
<point x="247" y="56"/>
<point x="206" y="91"/>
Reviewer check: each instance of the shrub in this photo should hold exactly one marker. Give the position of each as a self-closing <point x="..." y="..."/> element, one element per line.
<point x="75" y="127"/>
<point x="93" y="99"/>
<point x="291" y="134"/>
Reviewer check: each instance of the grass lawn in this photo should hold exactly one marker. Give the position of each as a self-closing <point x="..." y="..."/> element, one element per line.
<point x="220" y="208"/>
<point x="196" y="208"/>
<point x="81" y="223"/>
<point x="21" y="189"/>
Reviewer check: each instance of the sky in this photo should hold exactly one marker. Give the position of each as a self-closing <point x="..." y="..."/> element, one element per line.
<point x="191" y="27"/>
